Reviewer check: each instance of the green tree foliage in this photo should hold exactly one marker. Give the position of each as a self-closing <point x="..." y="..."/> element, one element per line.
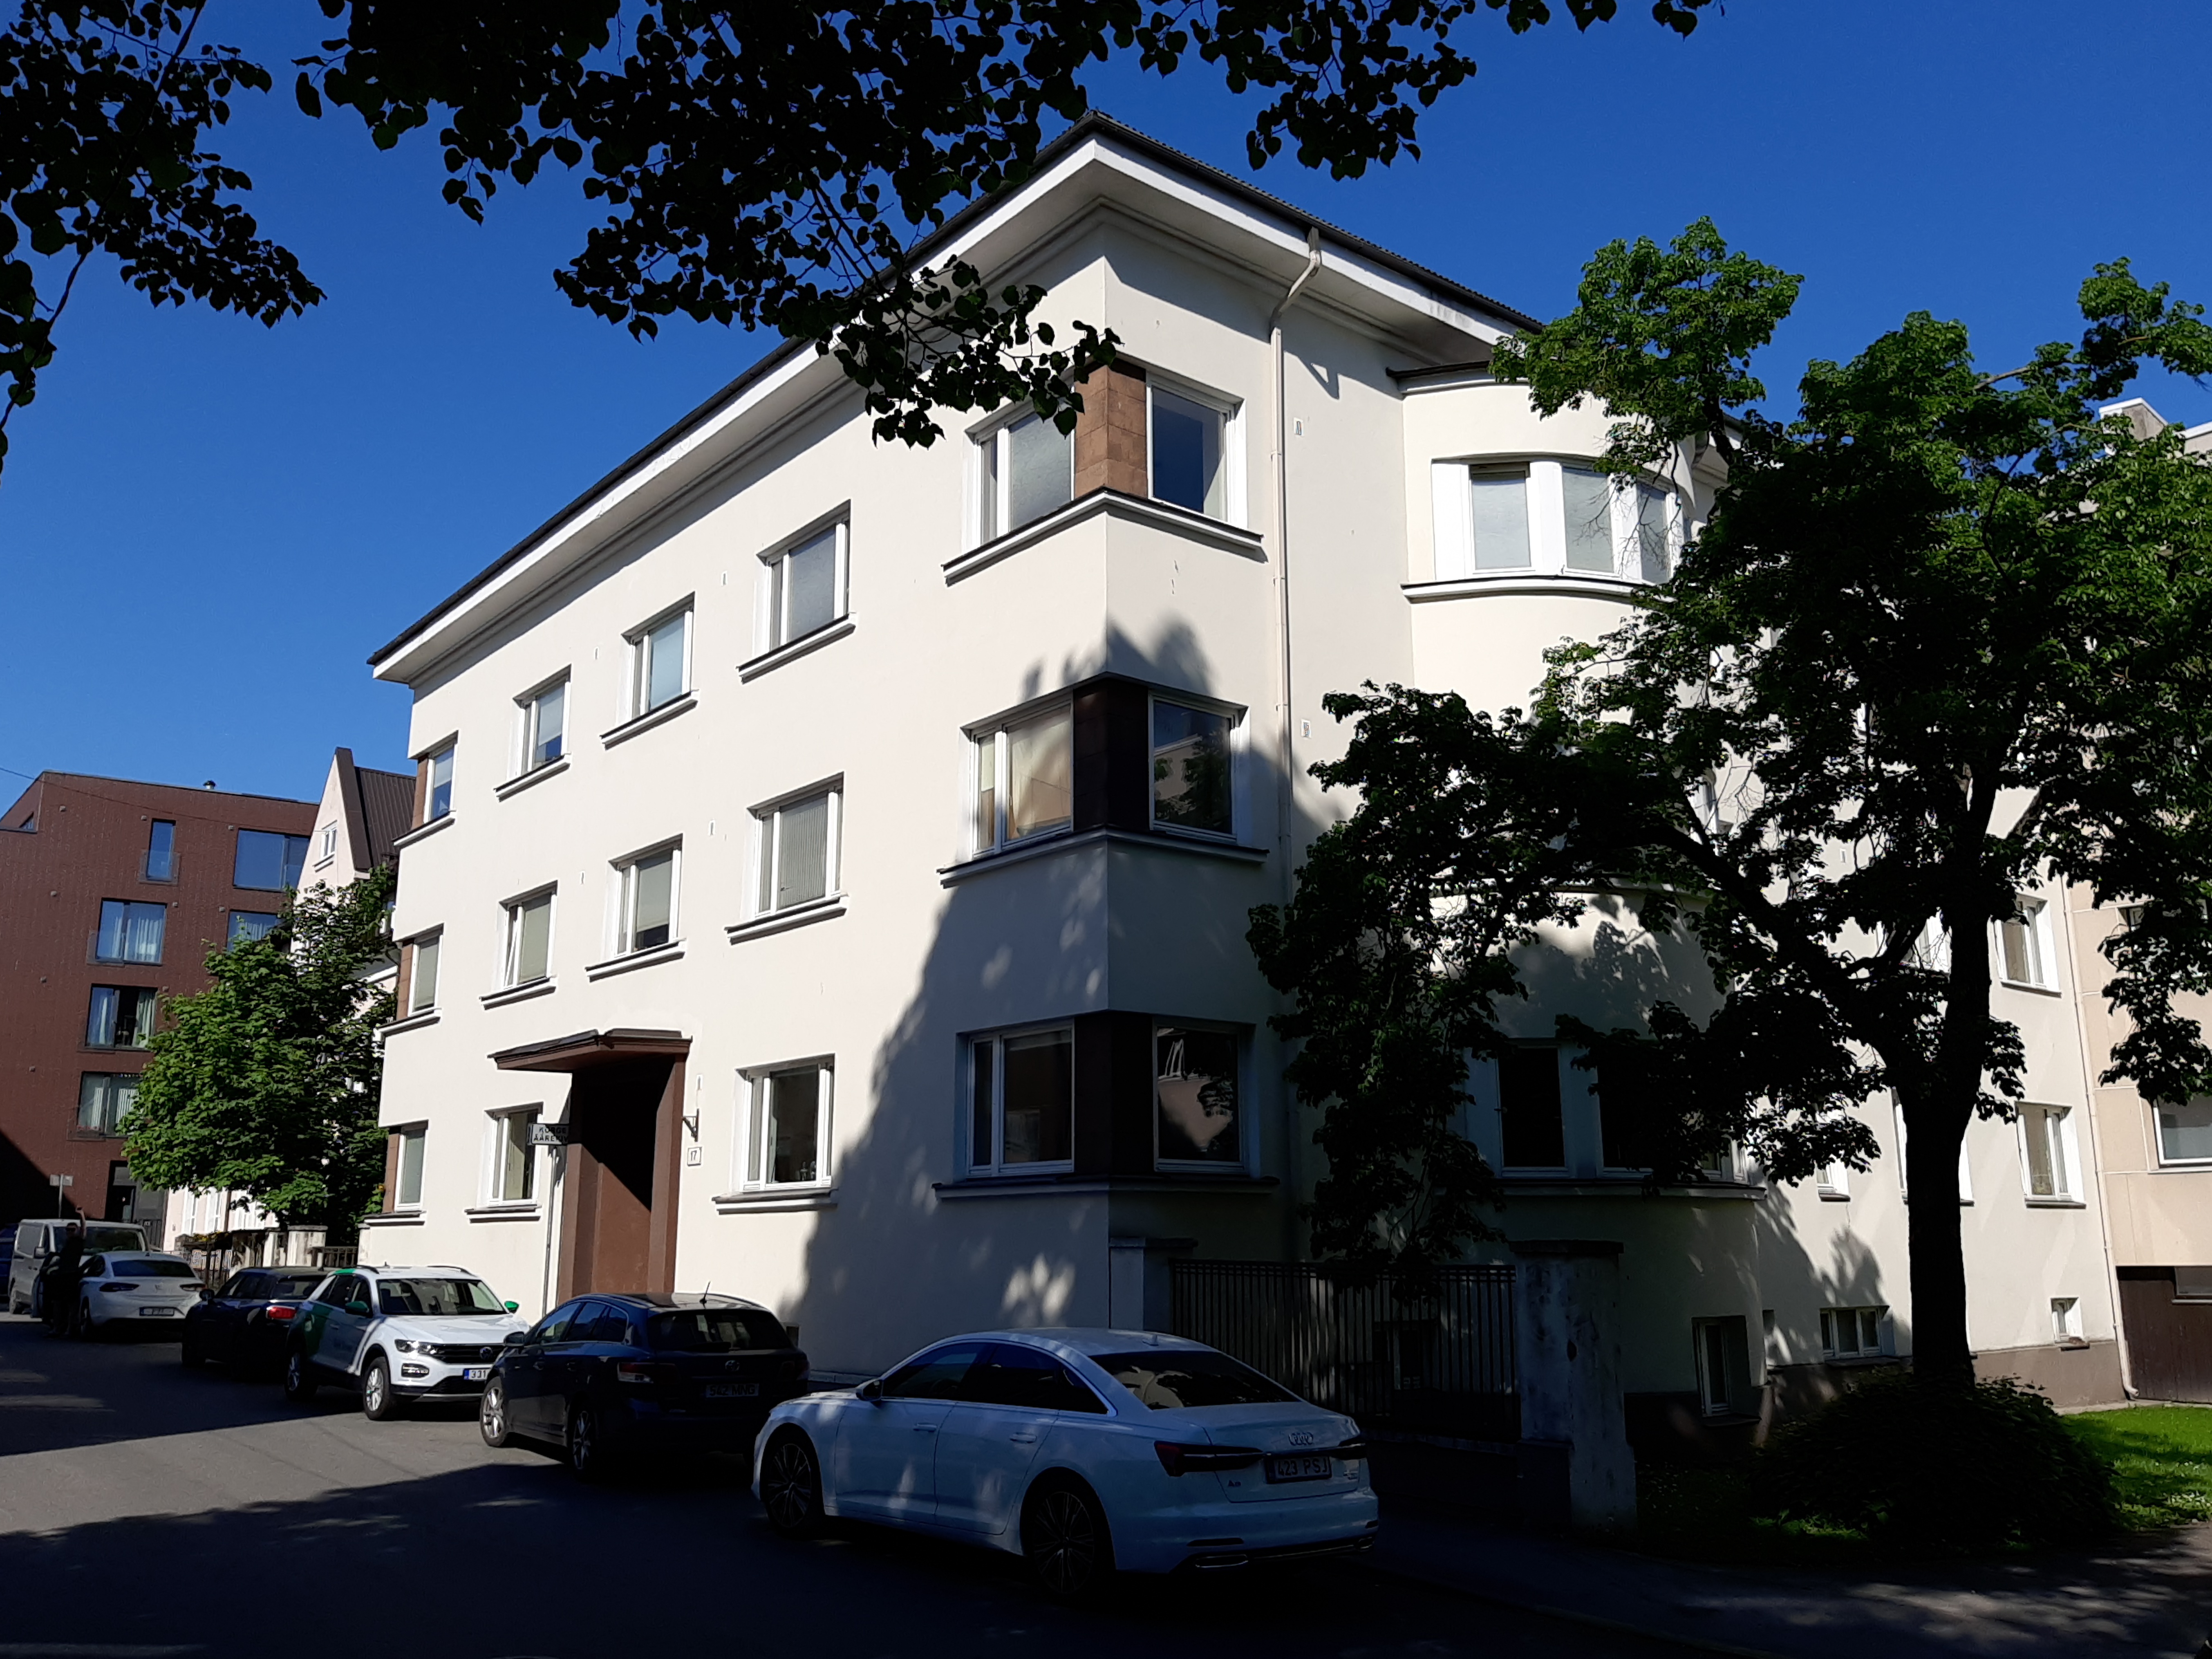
<point x="769" y="166"/>
<point x="1944" y="637"/>
<point x="265" y="1084"/>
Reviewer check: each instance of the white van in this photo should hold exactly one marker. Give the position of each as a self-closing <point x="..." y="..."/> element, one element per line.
<point x="36" y="1240"/>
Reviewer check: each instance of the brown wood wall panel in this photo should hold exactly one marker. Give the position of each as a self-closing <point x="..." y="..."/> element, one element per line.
<point x="1110" y="448"/>
<point x="2169" y="1342"/>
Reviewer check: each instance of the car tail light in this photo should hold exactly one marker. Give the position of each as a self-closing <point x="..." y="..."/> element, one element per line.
<point x="118" y="1285"/>
<point x="1351" y="1452"/>
<point x="633" y="1371"/>
<point x="277" y="1310"/>
<point x="1177" y="1458"/>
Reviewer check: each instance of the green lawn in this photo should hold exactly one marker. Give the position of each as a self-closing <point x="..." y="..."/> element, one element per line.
<point x="2161" y="1459"/>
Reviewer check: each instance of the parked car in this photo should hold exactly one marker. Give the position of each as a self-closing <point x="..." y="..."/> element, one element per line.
<point x="398" y="1334"/>
<point x="36" y="1240"/>
<point x="247" y="1323"/>
<point x="611" y="1378"/>
<point x="1087" y="1451"/>
<point x="134" y="1288"/>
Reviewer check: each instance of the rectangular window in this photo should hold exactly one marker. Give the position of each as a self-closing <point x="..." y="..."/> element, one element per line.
<point x="1027" y="470"/>
<point x="1022" y="1100"/>
<point x="1852" y="1333"/>
<point x="438" y="785"/>
<point x="1500" y="516"/>
<point x="807" y="587"/>
<point x="1528" y="1109"/>
<point x="1589" y="520"/>
<point x="529" y="937"/>
<point x="410" y="1168"/>
<point x="544" y="724"/>
<point x="799" y="852"/>
<point x="2185" y="1132"/>
<point x="2066" y="1318"/>
<point x="161" y="851"/>
<point x="121" y="1017"/>
<point x="104" y="1099"/>
<point x="2024" y="943"/>
<point x="1189" y="453"/>
<point x="250" y="924"/>
<point x="1655" y="530"/>
<point x="129" y="931"/>
<point x="648" y="901"/>
<point x="329" y="847"/>
<point x="267" y="862"/>
<point x="1724" y="1366"/>
<point x="518" y="1159"/>
<point x="1196" y="1096"/>
<point x="787" y="1140"/>
<point x="1191" y="758"/>
<point x="661" y="662"/>
<point x="1025" y="778"/>
<point x="1835" y="1181"/>
<point x="2043" y="1136"/>
<point x="1619" y="1122"/>
<point x="422" y="986"/>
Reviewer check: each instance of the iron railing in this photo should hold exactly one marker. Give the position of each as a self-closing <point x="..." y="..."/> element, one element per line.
<point x="1437" y="1359"/>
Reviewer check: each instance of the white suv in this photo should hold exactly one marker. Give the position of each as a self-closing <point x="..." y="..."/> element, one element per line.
<point x="397" y="1335"/>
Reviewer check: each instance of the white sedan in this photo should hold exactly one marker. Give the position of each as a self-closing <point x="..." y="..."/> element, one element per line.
<point x="1087" y="1451"/>
<point x="141" y="1288"/>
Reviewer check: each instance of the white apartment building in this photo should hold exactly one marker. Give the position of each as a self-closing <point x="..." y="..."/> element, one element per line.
<point x="846" y="850"/>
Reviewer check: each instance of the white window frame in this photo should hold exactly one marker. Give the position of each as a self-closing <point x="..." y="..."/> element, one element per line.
<point x="768" y="851"/>
<point x="2066" y="1319"/>
<point x="1239" y="815"/>
<point x="1835" y="1181"/>
<point x="1452" y="506"/>
<point x="2158" y="1132"/>
<point x="639" y="665"/>
<point x="1884" y="1332"/>
<point x="526" y="708"/>
<point x="753" y="1149"/>
<point x="1002" y="762"/>
<point x="1246" y="1126"/>
<point x="999" y="1168"/>
<point x="2055" y="1122"/>
<point x="446" y="752"/>
<point x="420" y="1134"/>
<point x="499" y="1125"/>
<point x="2036" y="914"/>
<point x="511" y="936"/>
<point x="990" y="476"/>
<point x="1234" y="509"/>
<point x="435" y="938"/>
<point x="621" y="894"/>
<point x="329" y="847"/>
<point x="772" y="608"/>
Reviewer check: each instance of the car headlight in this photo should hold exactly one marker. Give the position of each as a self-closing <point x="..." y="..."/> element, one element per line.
<point x="403" y="1345"/>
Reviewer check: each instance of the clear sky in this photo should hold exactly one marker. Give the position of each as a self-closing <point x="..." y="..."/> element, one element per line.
<point x="206" y="527"/>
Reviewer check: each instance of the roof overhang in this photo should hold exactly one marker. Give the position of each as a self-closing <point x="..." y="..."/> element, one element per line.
<point x="582" y="1050"/>
<point x="1097" y="164"/>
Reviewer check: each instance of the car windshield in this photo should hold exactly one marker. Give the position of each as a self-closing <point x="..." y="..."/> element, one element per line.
<point x="1171" y="1380"/>
<point x="113" y="1238"/>
<point x="717" y="1330"/>
<point x="438" y="1295"/>
<point x="149" y="1268"/>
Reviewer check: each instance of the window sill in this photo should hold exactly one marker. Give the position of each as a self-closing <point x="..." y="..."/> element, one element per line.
<point x="2057" y="1204"/>
<point x="412" y="1022"/>
<point x="1134" y="509"/>
<point x="776" y="1199"/>
<point x="536" y="987"/>
<point x="1830" y="1195"/>
<point x="514" y="786"/>
<point x="1031" y="1186"/>
<point x="635" y="959"/>
<point x="790" y="650"/>
<point x="2038" y="990"/>
<point x="325" y="861"/>
<point x="1540" y="1184"/>
<point x="413" y="1218"/>
<point x="1047" y="845"/>
<point x="528" y="1209"/>
<point x="781" y="922"/>
<point x="1523" y="581"/>
<point x="420" y="832"/>
<point x="645" y="722"/>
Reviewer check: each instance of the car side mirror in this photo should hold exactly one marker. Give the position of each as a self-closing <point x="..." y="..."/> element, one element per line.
<point x="515" y="1307"/>
<point x="872" y="1389"/>
<point x="516" y="1339"/>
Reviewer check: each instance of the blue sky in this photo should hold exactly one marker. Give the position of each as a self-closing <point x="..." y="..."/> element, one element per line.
<point x="205" y="527"/>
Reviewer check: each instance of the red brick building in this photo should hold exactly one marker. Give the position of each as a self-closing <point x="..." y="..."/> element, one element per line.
<point x="111" y="895"/>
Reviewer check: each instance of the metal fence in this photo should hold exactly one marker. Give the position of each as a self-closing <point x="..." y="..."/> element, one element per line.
<point x="1438" y="1359"/>
<point x="335" y="1256"/>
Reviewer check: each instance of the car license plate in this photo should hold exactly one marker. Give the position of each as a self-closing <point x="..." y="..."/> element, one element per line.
<point x="1304" y="1465"/>
<point x="732" y="1390"/>
<point x="157" y="1312"/>
<point x="475" y="1373"/>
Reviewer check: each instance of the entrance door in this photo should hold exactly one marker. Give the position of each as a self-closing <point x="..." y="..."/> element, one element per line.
<point x="618" y="1198"/>
<point x="2166" y="1314"/>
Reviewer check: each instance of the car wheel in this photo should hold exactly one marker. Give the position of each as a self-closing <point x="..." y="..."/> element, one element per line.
<point x="85" y="1328"/>
<point x="1065" y="1539"/>
<point x="380" y="1401"/>
<point x="587" y="1447"/>
<point x="791" y="1485"/>
<point x="299" y="1378"/>
<point x="491" y="1415"/>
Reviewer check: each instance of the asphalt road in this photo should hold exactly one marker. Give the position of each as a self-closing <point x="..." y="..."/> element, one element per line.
<point x="148" y="1511"/>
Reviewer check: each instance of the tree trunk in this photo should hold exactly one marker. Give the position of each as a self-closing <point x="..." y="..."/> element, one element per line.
<point x="1933" y="1136"/>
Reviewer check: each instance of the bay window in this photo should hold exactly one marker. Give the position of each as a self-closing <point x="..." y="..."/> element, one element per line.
<point x="1188" y="452"/>
<point x="1528" y="1108"/>
<point x="1191" y="768"/>
<point x="1551" y="517"/>
<point x="1022" y="1100"/>
<point x="1196" y="1096"/>
<point x="1027" y="468"/>
<point x="1025" y="778"/>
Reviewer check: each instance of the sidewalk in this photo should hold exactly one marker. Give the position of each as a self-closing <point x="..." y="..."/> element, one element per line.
<point x="2151" y="1603"/>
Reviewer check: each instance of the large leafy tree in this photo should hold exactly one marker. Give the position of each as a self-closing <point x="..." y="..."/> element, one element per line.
<point x="770" y="166"/>
<point x="1946" y="635"/>
<point x="265" y="1084"/>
